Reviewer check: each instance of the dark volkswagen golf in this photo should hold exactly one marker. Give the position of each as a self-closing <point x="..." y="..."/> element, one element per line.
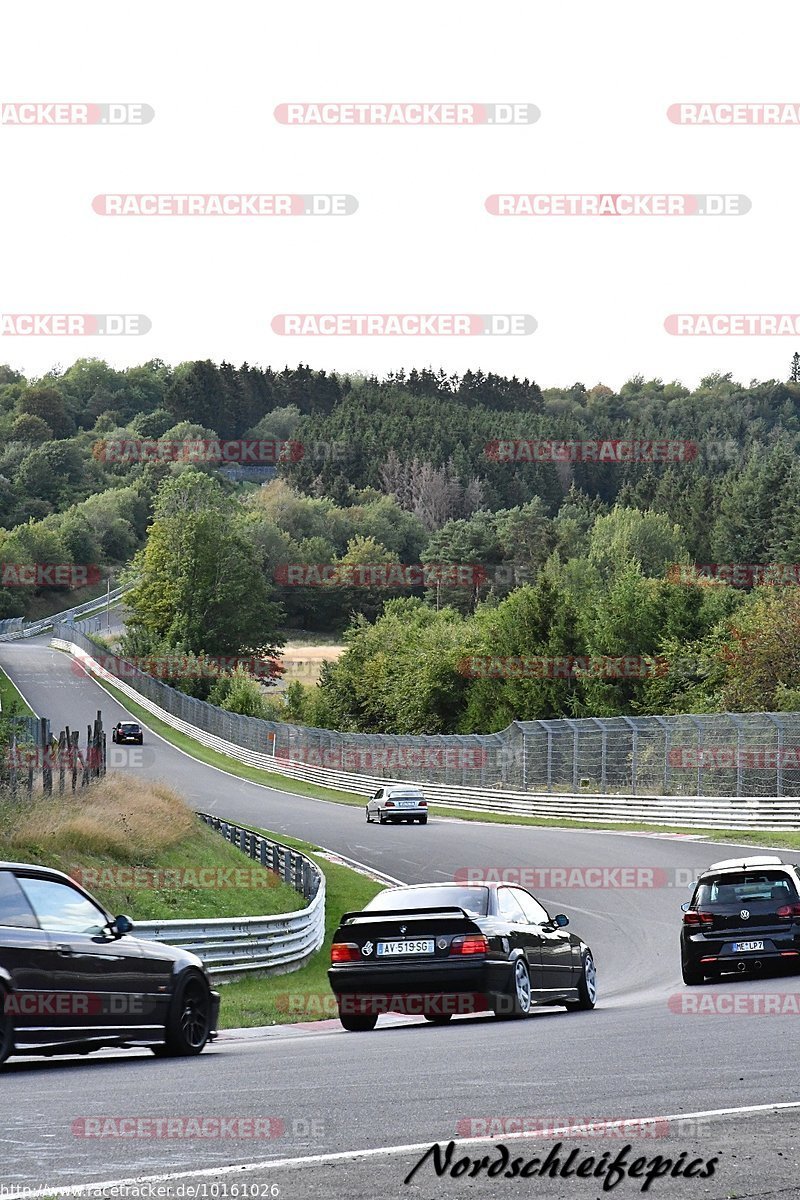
<point x="440" y="950"/>
<point x="744" y="915"/>
<point x="73" y="979"/>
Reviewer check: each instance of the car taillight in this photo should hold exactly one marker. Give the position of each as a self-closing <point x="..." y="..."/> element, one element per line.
<point x="423" y="804"/>
<point x="469" y="943"/>
<point x="389" y="804"/>
<point x="698" y="918"/>
<point x="787" y="911"/>
<point x="345" y="952"/>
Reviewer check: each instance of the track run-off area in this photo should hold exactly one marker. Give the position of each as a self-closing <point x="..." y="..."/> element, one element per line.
<point x="356" y="1112"/>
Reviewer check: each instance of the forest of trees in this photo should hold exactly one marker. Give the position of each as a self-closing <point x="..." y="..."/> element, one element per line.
<point x="576" y="558"/>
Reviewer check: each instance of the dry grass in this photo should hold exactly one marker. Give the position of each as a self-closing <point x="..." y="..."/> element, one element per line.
<point x="120" y="821"/>
<point x="120" y="817"/>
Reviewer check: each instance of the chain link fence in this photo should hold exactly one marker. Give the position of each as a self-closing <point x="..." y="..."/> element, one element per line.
<point x="726" y="754"/>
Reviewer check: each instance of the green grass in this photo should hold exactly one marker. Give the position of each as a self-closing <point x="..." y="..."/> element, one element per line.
<point x="11" y="700"/>
<point x="117" y="826"/>
<point x="302" y="995"/>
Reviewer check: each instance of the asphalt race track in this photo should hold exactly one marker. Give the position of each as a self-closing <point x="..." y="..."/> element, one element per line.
<point x="364" y="1108"/>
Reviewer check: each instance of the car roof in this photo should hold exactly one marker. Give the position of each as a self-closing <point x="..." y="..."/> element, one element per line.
<point x="477" y="883"/>
<point x="39" y="867"/>
<point x="744" y="864"/>
<point x="403" y="787"/>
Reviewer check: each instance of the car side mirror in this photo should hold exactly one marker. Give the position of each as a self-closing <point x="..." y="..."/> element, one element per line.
<point x="560" y="920"/>
<point x="685" y="906"/>
<point x="121" y="925"/>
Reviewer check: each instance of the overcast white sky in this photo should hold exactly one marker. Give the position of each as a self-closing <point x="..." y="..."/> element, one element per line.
<point x="603" y="77"/>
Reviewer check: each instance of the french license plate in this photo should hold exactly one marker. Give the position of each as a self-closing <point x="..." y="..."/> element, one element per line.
<point x="421" y="946"/>
<point x="743" y="947"/>
<point x="408" y="804"/>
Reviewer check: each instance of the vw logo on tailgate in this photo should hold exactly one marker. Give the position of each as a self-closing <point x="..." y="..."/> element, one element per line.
<point x="744" y="914"/>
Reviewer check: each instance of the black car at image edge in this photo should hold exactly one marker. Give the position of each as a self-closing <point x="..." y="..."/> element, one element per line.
<point x="442" y="950"/>
<point x="73" y="979"/>
<point x="744" y="915"/>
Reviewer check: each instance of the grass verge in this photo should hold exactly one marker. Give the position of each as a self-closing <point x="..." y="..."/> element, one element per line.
<point x="13" y="703"/>
<point x="100" y="835"/>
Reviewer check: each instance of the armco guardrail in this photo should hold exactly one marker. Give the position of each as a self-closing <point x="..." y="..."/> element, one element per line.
<point x="232" y="947"/>
<point x="15" y="627"/>
<point x="724" y="812"/>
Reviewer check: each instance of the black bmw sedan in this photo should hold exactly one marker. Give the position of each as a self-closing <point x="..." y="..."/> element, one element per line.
<point x="441" y="950"/>
<point x="73" y="979"/>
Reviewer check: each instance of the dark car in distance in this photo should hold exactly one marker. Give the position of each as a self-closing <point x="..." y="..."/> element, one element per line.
<point x="744" y="915"/>
<point x="440" y="950"/>
<point x="73" y="978"/>
<point x="127" y="731"/>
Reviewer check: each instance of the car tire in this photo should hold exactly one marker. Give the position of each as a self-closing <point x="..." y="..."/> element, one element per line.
<point x="438" y="1018"/>
<point x="587" y="986"/>
<point x="358" y="1022"/>
<point x="518" y="1001"/>
<point x="692" y="975"/>
<point x="141" y="741"/>
<point x="423" y="820"/>
<point x="381" y="820"/>
<point x="189" y="1020"/>
<point x="6" y="1030"/>
<point x="113" y="736"/>
<point x="369" y="818"/>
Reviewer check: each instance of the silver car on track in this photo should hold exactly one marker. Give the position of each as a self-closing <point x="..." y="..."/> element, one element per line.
<point x="398" y="802"/>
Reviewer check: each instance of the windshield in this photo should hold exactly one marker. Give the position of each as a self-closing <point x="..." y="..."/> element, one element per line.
<point x="473" y="900"/>
<point x="749" y="887"/>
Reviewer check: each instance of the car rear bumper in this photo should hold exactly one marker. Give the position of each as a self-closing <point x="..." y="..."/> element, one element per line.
<point x="713" y="952"/>
<point x="417" y="988"/>
<point x="394" y="814"/>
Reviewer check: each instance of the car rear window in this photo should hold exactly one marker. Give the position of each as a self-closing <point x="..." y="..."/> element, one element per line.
<point x="474" y="900"/>
<point x="130" y="728"/>
<point x="751" y="887"/>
